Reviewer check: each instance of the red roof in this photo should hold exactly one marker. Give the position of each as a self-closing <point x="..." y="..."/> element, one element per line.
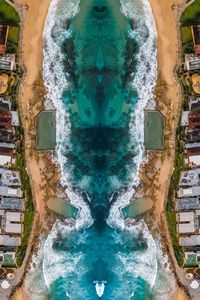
<point x="5" y="119"/>
<point x="194" y="119"/>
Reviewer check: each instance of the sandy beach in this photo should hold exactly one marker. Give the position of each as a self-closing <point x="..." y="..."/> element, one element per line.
<point x="31" y="99"/>
<point x="38" y="164"/>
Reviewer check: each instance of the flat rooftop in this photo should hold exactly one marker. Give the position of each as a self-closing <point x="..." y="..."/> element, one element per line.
<point x="46" y="130"/>
<point x="153" y="130"/>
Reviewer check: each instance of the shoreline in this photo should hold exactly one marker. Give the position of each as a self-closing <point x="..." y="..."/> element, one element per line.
<point x="168" y="102"/>
<point x="42" y="172"/>
<point x="36" y="162"/>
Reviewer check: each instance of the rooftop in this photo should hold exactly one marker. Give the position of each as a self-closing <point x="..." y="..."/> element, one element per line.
<point x="189" y="192"/>
<point x="192" y="240"/>
<point x="7" y="62"/>
<point x="184" y="118"/>
<point x="192" y="62"/>
<point x="187" y="204"/>
<point x="10" y="192"/>
<point x="185" y="217"/>
<point x="189" y="178"/>
<point x="12" y="204"/>
<point x="7" y="240"/>
<point x="9" y="177"/>
<point x="185" y="228"/>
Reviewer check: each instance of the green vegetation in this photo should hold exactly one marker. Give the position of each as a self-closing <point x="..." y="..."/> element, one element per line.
<point x="13" y="38"/>
<point x="191" y="14"/>
<point x="187" y="41"/>
<point x="170" y="209"/>
<point x="29" y="213"/>
<point x="8" y="14"/>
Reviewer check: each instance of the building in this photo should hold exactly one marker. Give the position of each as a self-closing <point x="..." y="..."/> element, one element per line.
<point x="7" y="258"/>
<point x="185" y="118"/>
<point x="190" y="178"/>
<point x="6" y="119"/>
<point x="192" y="62"/>
<point x="193" y="135"/>
<point x="15" y="118"/>
<point x="194" y="119"/>
<point x="185" y="217"/>
<point x="184" y="228"/>
<point x="6" y="160"/>
<point x="7" y="148"/>
<point x="9" y="241"/>
<point x="7" y="62"/>
<point x="196" y="38"/>
<point x="14" y="228"/>
<point x="189" y="192"/>
<point x="194" y="104"/>
<point x="9" y="177"/>
<point x="192" y="149"/>
<point x="7" y="136"/>
<point x="186" y="204"/>
<point x="192" y="258"/>
<point x="5" y="104"/>
<point x="12" y="204"/>
<point x="14" y="217"/>
<point x="194" y="160"/>
<point x="190" y="241"/>
<point x="6" y="191"/>
<point x="3" y="38"/>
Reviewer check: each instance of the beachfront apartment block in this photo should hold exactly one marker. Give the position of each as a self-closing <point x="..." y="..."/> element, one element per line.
<point x="12" y="204"/>
<point x="183" y="204"/>
<point x="9" y="178"/>
<point x="189" y="241"/>
<point x="7" y="62"/>
<point x="6" y="160"/>
<point x="188" y="192"/>
<point x="192" y="62"/>
<point x="185" y="228"/>
<point x="194" y="103"/>
<point x="190" y="178"/>
<point x="185" y="217"/>
<point x="192" y="258"/>
<point x="7" y="258"/>
<point x="10" y="241"/>
<point x="6" y="191"/>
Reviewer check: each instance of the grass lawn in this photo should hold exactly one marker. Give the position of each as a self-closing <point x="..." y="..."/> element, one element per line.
<point x="13" y="38"/>
<point x="8" y="14"/>
<point x="187" y="42"/>
<point x="191" y="14"/>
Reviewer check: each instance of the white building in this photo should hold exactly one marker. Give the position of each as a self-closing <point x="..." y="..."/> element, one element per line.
<point x="189" y="178"/>
<point x="194" y="160"/>
<point x="185" y="228"/>
<point x="185" y="217"/>
<point x="10" y="192"/>
<point x="7" y="62"/>
<point x="14" y="228"/>
<point x="189" y="192"/>
<point x="5" y="160"/>
<point x="9" y="177"/>
<point x="192" y="62"/>
<point x="185" y="118"/>
<point x="15" y="217"/>
<point x="7" y="240"/>
<point x="189" y="241"/>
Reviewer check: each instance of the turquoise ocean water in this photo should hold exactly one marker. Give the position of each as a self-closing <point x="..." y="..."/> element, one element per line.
<point x="99" y="69"/>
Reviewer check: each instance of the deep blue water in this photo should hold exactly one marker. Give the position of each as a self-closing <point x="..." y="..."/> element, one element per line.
<point x="99" y="63"/>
